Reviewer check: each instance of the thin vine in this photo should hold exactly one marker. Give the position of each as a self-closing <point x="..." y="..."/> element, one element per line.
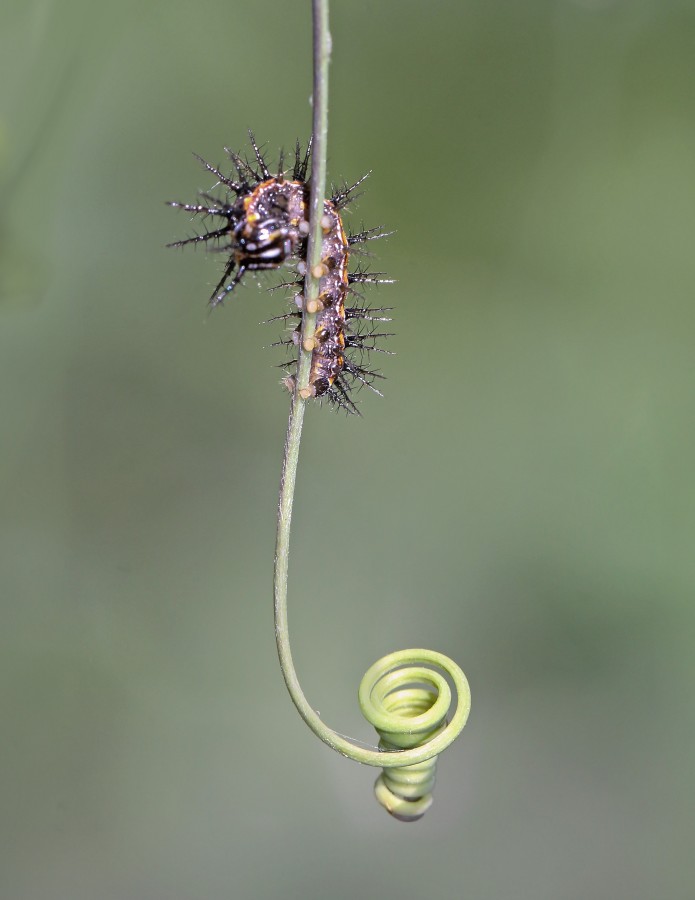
<point x="404" y="695"/>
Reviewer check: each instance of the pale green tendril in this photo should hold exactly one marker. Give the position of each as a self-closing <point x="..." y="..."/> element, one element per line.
<point x="404" y="695"/>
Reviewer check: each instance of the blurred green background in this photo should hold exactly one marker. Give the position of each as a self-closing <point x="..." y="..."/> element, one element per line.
<point x="523" y="499"/>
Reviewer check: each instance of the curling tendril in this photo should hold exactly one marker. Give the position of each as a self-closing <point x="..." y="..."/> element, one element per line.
<point x="405" y="695"/>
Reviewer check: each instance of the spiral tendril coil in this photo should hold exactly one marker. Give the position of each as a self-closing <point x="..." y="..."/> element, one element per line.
<point x="406" y="697"/>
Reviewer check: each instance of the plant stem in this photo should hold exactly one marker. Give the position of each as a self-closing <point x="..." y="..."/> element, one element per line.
<point x="322" y="44"/>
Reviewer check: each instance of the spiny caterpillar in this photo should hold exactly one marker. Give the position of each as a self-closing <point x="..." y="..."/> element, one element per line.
<point x="266" y="224"/>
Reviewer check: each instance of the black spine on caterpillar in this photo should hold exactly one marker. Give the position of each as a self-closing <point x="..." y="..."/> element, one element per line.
<point x="265" y="224"/>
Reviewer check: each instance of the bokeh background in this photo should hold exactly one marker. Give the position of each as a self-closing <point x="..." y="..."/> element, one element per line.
<point x="523" y="499"/>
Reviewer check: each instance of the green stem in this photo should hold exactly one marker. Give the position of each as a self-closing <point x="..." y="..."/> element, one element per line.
<point x="322" y="43"/>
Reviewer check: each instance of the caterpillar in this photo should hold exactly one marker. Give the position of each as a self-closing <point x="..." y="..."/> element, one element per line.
<point x="265" y="225"/>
